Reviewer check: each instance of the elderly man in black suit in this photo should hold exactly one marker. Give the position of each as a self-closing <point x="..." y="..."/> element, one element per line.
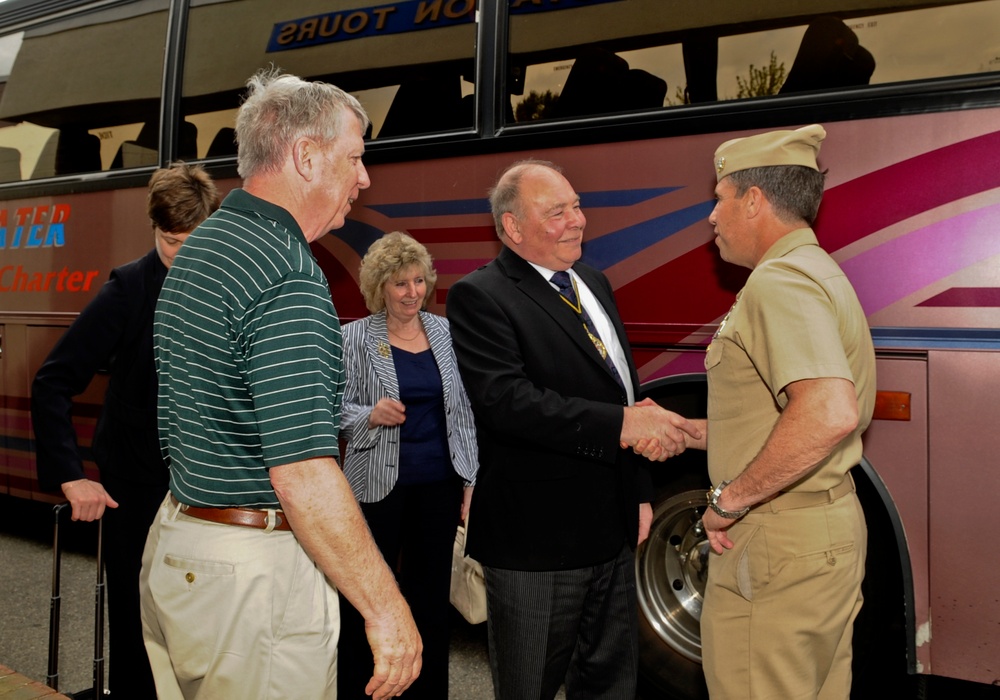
<point x="560" y="501"/>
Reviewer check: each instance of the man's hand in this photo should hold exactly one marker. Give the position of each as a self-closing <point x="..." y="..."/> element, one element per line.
<point x="645" y="521"/>
<point x="466" y="502"/>
<point x="716" y="529"/>
<point x="327" y="522"/>
<point x="88" y="499"/>
<point x="656" y="433"/>
<point x="397" y="648"/>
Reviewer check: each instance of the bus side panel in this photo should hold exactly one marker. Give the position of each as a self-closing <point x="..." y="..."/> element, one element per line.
<point x="55" y="254"/>
<point x="5" y="428"/>
<point x="909" y="213"/>
<point x="898" y="452"/>
<point x="26" y="346"/>
<point x="18" y="465"/>
<point x="58" y="251"/>
<point x="964" y="486"/>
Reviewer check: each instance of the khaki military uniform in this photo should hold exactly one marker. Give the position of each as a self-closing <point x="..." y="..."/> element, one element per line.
<point x="779" y="606"/>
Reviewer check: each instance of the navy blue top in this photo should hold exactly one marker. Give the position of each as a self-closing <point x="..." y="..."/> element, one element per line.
<point x="423" y="453"/>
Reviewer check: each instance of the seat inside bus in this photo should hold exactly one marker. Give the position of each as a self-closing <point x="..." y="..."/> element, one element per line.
<point x="830" y="56"/>
<point x="10" y="164"/>
<point x="601" y="82"/>
<point x="77" y="152"/>
<point x="143" y="150"/>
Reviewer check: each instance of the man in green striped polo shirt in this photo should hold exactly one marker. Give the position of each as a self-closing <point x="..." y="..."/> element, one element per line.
<point x="260" y="529"/>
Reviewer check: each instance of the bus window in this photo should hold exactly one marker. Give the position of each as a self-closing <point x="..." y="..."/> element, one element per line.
<point x="82" y="94"/>
<point x="410" y="63"/>
<point x="630" y="55"/>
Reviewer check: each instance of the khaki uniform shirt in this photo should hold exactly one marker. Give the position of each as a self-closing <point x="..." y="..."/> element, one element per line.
<point x="798" y="317"/>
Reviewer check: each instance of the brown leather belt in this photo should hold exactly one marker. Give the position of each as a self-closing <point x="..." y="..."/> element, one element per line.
<point x="800" y="499"/>
<point x="245" y="517"/>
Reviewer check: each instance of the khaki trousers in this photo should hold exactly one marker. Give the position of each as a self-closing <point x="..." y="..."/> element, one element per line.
<point x="235" y="612"/>
<point x="780" y="606"/>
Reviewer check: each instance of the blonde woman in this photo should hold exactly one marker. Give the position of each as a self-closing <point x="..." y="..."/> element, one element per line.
<point x="411" y="454"/>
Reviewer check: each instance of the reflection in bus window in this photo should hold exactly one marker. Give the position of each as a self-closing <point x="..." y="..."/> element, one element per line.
<point x="78" y="91"/>
<point x="619" y="55"/>
<point x="411" y="67"/>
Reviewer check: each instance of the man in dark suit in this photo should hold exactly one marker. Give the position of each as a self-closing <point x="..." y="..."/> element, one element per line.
<point x="115" y="333"/>
<point x="559" y="502"/>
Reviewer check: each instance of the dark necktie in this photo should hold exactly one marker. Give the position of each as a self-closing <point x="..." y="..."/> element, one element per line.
<point x="567" y="289"/>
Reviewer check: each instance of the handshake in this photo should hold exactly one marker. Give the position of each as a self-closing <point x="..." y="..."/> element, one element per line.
<point x="658" y="434"/>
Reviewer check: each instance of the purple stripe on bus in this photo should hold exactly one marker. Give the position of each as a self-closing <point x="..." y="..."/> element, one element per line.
<point x="965" y="297"/>
<point x="884" y="197"/>
<point x="897" y="268"/>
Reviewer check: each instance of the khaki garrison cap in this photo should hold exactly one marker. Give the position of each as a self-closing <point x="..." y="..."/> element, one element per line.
<point x="799" y="147"/>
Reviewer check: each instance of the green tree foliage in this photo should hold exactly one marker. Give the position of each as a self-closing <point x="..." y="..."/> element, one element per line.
<point x="762" y="81"/>
<point x="535" y="106"/>
<point x="680" y="97"/>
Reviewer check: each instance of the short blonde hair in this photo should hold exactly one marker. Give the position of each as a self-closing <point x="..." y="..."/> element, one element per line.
<point x="386" y="258"/>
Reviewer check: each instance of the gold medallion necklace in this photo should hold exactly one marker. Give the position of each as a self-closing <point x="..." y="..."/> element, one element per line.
<point x="578" y="308"/>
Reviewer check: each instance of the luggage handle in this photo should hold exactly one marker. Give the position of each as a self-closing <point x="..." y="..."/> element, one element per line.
<point x="55" y="608"/>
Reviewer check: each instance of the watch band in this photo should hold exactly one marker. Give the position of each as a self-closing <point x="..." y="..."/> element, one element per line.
<point x="712" y="497"/>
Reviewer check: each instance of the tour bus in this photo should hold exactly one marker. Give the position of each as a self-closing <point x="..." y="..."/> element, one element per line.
<point x="631" y="98"/>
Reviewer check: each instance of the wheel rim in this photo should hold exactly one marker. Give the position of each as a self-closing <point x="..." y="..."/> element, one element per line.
<point x="671" y="568"/>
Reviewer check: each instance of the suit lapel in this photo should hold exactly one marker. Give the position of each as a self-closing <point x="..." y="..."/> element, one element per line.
<point x="441" y="349"/>
<point x="380" y="354"/>
<point x="542" y="293"/>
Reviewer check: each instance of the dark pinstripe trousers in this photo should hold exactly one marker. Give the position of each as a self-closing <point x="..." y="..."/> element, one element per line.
<point x="578" y="627"/>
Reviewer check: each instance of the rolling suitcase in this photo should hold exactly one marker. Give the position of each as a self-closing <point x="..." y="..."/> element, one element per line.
<point x="52" y="678"/>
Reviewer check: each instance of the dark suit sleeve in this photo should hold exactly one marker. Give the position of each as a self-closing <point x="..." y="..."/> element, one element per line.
<point x="518" y="384"/>
<point x="86" y="347"/>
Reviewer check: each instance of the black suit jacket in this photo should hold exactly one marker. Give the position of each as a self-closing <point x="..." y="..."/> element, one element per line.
<point x="554" y="489"/>
<point x="114" y="333"/>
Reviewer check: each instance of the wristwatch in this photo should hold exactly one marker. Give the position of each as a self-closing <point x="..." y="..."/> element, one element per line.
<point x="713" y="503"/>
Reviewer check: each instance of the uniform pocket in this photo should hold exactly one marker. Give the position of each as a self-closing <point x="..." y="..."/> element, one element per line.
<point x="828" y="555"/>
<point x="719" y="374"/>
<point x="745" y="569"/>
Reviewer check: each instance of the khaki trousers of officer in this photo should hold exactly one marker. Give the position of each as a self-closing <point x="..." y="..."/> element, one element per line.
<point x="235" y="612"/>
<point x="780" y="606"/>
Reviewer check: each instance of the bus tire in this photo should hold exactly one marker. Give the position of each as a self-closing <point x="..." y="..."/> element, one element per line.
<point x="670" y="563"/>
<point x="671" y="566"/>
<point x="880" y="667"/>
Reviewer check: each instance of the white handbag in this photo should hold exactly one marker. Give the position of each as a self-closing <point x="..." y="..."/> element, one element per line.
<point x="468" y="587"/>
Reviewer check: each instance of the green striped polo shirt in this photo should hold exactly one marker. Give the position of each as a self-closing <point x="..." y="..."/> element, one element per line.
<point x="248" y="353"/>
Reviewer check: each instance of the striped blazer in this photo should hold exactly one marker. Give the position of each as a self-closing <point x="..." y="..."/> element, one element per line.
<point x="371" y="463"/>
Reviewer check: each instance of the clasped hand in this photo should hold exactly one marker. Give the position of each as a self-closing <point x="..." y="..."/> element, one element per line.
<point x="656" y="433"/>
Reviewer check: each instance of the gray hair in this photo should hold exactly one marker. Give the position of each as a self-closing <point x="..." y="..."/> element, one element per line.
<point x="505" y="195"/>
<point x="794" y="191"/>
<point x="280" y="108"/>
